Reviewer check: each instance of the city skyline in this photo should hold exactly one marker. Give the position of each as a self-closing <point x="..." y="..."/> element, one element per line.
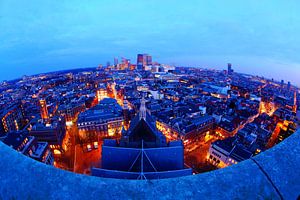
<point x="201" y="120"/>
<point x="57" y="36"/>
<point x="143" y="99"/>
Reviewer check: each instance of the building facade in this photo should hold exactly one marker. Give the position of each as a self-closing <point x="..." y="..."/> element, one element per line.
<point x="29" y="146"/>
<point x="12" y="119"/>
<point x="105" y="119"/>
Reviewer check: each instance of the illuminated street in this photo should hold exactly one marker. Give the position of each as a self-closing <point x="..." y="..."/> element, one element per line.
<point x="274" y="136"/>
<point x="196" y="156"/>
<point x="85" y="159"/>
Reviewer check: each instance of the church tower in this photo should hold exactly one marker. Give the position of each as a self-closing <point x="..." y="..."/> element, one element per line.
<point x="143" y="109"/>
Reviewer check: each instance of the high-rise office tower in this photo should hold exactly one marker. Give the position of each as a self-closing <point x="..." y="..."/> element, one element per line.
<point x="143" y="60"/>
<point x="289" y="85"/>
<point x="230" y="70"/>
<point x="148" y="60"/>
<point x="139" y="62"/>
<point x="125" y="63"/>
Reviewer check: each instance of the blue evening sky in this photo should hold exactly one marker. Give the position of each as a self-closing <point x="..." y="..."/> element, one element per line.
<point x="258" y="36"/>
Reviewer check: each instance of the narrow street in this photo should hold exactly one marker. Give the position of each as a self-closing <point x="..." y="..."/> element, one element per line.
<point x="274" y="136"/>
<point x="195" y="156"/>
<point x="84" y="159"/>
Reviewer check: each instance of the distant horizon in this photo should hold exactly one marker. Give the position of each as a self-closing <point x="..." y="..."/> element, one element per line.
<point x="220" y="68"/>
<point x="257" y="37"/>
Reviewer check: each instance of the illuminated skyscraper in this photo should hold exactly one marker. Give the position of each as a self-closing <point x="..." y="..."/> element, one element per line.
<point x="139" y="63"/>
<point x="132" y="67"/>
<point x="148" y="60"/>
<point x="125" y="63"/>
<point x="44" y="109"/>
<point x="143" y="60"/>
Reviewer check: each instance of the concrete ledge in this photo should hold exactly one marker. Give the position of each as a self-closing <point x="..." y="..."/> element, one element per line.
<point x="282" y="166"/>
<point x="273" y="174"/>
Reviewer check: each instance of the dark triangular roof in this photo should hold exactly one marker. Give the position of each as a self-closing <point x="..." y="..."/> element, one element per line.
<point x="140" y="126"/>
<point x="143" y="129"/>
